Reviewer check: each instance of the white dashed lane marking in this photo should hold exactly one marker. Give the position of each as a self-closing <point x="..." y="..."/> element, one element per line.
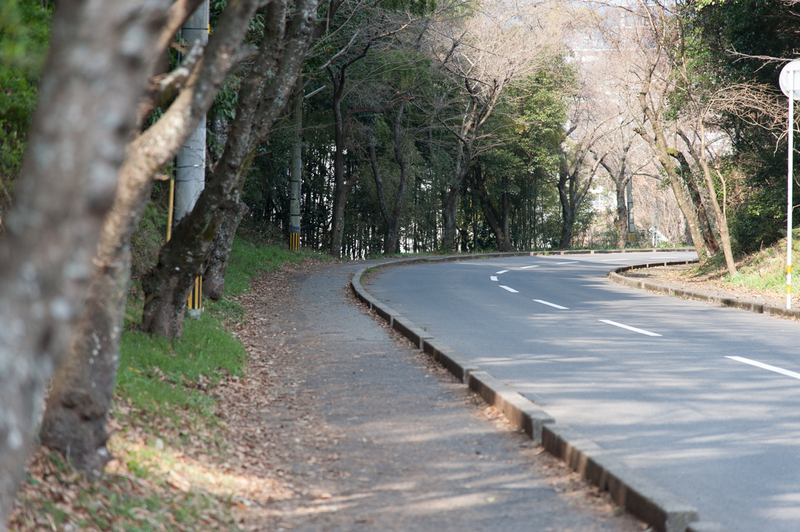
<point x="551" y="304"/>
<point x="767" y="367"/>
<point x="629" y="328"/>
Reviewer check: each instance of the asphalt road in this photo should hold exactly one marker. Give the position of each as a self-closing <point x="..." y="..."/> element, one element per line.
<point x="703" y="400"/>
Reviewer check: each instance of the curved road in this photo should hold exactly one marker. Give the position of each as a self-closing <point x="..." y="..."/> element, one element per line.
<point x="703" y="400"/>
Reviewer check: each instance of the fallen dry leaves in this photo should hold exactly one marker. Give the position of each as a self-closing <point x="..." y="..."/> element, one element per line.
<point x="246" y="471"/>
<point x="683" y="276"/>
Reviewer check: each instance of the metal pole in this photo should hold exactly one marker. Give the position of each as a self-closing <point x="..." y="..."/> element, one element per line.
<point x="631" y="227"/>
<point x="190" y="162"/>
<point x="789" y="196"/>
<point x="296" y="181"/>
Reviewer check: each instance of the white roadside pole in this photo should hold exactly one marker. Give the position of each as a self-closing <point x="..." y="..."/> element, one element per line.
<point x="790" y="85"/>
<point x="190" y="162"/>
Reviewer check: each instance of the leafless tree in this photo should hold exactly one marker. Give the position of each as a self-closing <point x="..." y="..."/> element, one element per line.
<point x="480" y="55"/>
<point x="648" y="37"/>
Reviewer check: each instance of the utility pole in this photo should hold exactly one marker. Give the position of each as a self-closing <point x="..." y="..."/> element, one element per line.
<point x="190" y="163"/>
<point x="629" y="193"/>
<point x="655" y="229"/>
<point x="296" y="179"/>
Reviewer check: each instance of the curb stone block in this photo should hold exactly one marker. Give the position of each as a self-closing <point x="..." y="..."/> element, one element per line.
<point x="410" y="331"/>
<point x="387" y="313"/>
<point x="458" y="366"/>
<point x="519" y="410"/>
<point x="639" y="495"/>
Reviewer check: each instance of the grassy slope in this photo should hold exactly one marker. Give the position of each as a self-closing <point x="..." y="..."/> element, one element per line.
<point x="162" y="402"/>
<point x="763" y="271"/>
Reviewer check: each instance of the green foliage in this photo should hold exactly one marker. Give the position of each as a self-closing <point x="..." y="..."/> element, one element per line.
<point x="24" y="34"/>
<point x="752" y="28"/>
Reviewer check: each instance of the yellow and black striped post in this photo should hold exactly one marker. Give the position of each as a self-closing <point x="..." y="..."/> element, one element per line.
<point x="294" y="241"/>
<point x="196" y="297"/>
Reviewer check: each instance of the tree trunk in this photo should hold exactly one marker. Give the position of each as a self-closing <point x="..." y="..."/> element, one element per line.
<point x="217" y="263"/>
<point x="567" y="214"/>
<point x="75" y="418"/>
<point x="622" y="216"/>
<point x="498" y="222"/>
<point x="449" y="214"/>
<point x="722" y="219"/>
<point x="659" y="145"/>
<point x="66" y="187"/>
<point x="341" y="191"/>
<point x="77" y="408"/>
<point x="699" y="205"/>
<point x="341" y="187"/>
<point x="393" y="233"/>
<point x="567" y="224"/>
<point x="263" y="96"/>
<point x="393" y="218"/>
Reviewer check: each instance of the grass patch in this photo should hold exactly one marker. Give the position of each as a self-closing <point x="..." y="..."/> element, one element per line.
<point x="158" y="375"/>
<point x="162" y="407"/>
<point x="762" y="271"/>
<point x="249" y="259"/>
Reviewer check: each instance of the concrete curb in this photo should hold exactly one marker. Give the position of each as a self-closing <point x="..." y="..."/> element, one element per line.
<point x="519" y="410"/>
<point x="641" y="497"/>
<point x="671" y="290"/>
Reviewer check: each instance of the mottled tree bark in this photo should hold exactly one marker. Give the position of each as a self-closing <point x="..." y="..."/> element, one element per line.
<point x="217" y="263"/>
<point x="620" y="175"/>
<point x="77" y="408"/>
<point x="100" y="55"/>
<point x="571" y="193"/>
<point x="699" y="155"/>
<point x="690" y="181"/>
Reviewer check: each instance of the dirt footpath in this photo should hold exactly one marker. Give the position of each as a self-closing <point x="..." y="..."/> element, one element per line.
<point x="342" y="425"/>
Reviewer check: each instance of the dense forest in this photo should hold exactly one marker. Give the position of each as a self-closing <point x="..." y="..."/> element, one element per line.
<point x="471" y="126"/>
<point x="366" y="128"/>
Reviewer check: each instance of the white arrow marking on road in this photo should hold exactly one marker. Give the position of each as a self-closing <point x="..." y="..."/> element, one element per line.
<point x="528" y="267"/>
<point x="628" y="327"/>
<point x="761" y="365"/>
<point x="551" y="304"/>
<point x="501" y="272"/>
<point x="509" y="289"/>
<point x="493" y="278"/>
